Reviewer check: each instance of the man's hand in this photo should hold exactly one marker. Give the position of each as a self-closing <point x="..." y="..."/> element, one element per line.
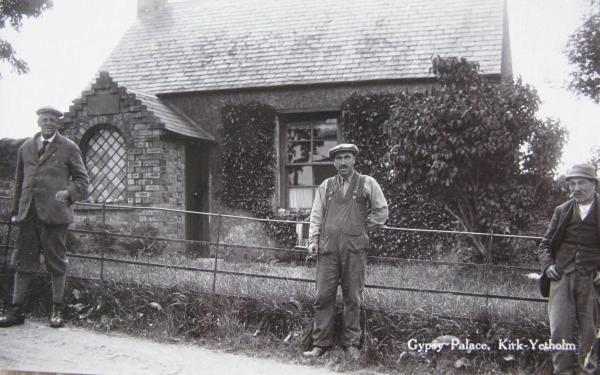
<point x="62" y="196"/>
<point x="313" y="249"/>
<point x="553" y="273"/>
<point x="13" y="219"/>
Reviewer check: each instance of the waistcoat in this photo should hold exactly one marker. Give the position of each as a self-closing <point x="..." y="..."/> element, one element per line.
<point x="580" y="243"/>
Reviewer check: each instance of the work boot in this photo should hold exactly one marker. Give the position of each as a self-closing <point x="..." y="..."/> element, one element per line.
<point x="56" y="319"/>
<point x="12" y="316"/>
<point x="316" y="352"/>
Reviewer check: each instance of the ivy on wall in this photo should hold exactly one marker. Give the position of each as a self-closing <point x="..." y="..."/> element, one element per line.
<point x="249" y="165"/>
<point x="249" y="157"/>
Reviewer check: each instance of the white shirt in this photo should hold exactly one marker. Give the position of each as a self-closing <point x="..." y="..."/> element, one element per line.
<point x="41" y="139"/>
<point x="584" y="209"/>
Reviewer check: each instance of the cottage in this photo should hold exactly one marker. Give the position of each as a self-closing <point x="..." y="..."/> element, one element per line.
<point x="150" y="126"/>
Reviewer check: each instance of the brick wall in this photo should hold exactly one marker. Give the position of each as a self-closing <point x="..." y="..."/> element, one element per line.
<point x="154" y="158"/>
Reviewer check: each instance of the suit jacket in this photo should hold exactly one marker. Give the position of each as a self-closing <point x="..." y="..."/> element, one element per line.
<point x="556" y="229"/>
<point x="60" y="168"/>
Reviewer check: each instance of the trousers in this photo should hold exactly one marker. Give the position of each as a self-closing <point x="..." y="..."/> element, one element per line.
<point x="346" y="267"/>
<point x="572" y="308"/>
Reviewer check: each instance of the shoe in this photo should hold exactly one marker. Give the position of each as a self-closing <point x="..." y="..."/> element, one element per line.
<point x="12" y="316"/>
<point x="316" y="352"/>
<point x="56" y="319"/>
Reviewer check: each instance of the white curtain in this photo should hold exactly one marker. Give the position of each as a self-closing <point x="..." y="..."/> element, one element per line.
<point x="300" y="197"/>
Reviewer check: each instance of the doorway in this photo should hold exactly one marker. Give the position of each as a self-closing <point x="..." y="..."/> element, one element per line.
<point x="196" y="197"/>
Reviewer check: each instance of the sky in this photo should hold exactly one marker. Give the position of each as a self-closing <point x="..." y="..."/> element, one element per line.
<point x="66" y="46"/>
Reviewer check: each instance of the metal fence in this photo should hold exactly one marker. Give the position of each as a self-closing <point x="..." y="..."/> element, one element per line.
<point x="218" y="244"/>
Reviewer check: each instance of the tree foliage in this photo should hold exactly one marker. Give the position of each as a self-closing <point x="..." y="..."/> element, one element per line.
<point x="362" y="122"/>
<point x="13" y="12"/>
<point x="583" y="51"/>
<point x="475" y="146"/>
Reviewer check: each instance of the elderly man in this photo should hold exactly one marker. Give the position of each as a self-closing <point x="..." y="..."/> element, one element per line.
<point x="346" y="207"/>
<point x="570" y="256"/>
<point x="50" y="176"/>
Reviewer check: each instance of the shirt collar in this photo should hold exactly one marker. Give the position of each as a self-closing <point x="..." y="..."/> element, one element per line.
<point x="41" y="139"/>
<point x="341" y="179"/>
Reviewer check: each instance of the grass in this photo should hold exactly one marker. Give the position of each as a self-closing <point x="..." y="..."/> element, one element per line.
<point x="272" y="328"/>
<point x="267" y="318"/>
<point x="418" y="276"/>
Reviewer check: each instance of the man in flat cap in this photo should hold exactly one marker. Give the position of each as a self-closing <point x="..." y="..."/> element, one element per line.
<point x="346" y="207"/>
<point x="569" y="255"/>
<point x="50" y="177"/>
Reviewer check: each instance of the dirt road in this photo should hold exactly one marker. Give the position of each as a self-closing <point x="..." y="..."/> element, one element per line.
<point x="36" y="347"/>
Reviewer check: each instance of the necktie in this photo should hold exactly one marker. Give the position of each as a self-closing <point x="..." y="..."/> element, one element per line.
<point x="43" y="149"/>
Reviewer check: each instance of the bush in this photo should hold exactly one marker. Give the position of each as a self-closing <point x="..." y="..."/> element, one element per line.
<point x="362" y="122"/>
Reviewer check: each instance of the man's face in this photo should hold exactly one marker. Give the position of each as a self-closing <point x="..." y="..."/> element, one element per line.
<point x="582" y="189"/>
<point x="48" y="122"/>
<point x="344" y="163"/>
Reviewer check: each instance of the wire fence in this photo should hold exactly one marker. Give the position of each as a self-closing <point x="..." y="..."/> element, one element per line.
<point x="218" y="245"/>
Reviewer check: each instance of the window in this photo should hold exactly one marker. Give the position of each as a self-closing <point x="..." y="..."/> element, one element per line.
<point x="106" y="161"/>
<point x="306" y="139"/>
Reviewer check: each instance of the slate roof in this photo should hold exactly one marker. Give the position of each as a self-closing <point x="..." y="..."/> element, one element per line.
<point x="172" y="119"/>
<point x="228" y="44"/>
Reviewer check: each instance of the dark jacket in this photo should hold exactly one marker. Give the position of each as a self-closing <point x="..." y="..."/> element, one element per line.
<point x="60" y="168"/>
<point x="556" y="229"/>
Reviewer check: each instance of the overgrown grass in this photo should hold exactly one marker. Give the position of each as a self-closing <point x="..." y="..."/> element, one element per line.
<point x="271" y="328"/>
<point x="267" y="317"/>
<point x="419" y="276"/>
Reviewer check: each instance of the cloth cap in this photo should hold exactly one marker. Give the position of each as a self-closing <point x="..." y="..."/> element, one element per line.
<point x="48" y="109"/>
<point x="582" y="171"/>
<point x="344" y="147"/>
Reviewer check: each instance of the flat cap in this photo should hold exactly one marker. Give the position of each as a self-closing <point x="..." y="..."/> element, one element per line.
<point x="583" y="170"/>
<point x="344" y="147"/>
<point x="49" y="109"/>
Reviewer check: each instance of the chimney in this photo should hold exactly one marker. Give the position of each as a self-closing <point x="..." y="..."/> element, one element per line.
<point x="149" y="7"/>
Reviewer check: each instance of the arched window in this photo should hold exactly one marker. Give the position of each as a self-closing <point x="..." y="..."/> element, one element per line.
<point x="105" y="158"/>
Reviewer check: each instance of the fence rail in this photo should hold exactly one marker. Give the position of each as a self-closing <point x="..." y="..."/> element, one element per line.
<point x="218" y="244"/>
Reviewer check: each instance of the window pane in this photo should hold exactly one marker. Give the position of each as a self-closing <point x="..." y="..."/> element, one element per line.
<point x="300" y="197"/>
<point x="298" y="132"/>
<point x="321" y="150"/>
<point x="321" y="172"/>
<point x="326" y="130"/>
<point x="300" y="176"/>
<point x="105" y="160"/>
<point x="299" y="152"/>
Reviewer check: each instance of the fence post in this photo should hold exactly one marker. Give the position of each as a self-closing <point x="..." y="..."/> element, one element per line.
<point x="488" y="262"/>
<point x="214" y="286"/>
<point x="104" y="237"/>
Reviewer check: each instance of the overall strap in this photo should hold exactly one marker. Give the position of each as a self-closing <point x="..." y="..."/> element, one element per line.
<point x="359" y="189"/>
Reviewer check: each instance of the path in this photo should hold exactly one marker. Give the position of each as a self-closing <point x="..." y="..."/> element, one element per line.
<point x="36" y="347"/>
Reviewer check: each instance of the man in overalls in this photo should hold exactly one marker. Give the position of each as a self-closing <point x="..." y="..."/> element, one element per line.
<point x="346" y="207"/>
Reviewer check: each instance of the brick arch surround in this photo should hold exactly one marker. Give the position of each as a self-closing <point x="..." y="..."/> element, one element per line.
<point x="155" y="157"/>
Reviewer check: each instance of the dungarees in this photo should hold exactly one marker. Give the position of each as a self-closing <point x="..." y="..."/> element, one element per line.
<point x="342" y="258"/>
